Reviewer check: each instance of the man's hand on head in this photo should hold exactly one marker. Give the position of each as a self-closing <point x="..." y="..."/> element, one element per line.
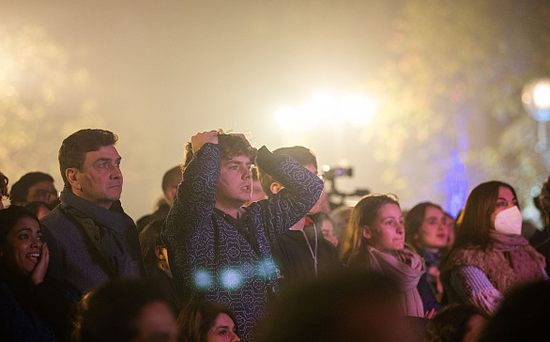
<point x="202" y="138"/>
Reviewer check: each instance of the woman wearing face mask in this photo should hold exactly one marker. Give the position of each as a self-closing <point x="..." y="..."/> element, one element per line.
<point x="489" y="257"/>
<point x="32" y="307"/>
<point x="375" y="240"/>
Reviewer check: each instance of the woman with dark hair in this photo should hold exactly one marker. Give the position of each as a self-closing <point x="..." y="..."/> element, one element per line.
<point x="375" y="240"/>
<point x="489" y="257"/>
<point x="426" y="229"/>
<point x="32" y="307"/>
<point x="203" y="321"/>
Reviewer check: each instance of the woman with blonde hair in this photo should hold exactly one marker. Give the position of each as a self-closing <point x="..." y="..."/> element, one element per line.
<point x="375" y="240"/>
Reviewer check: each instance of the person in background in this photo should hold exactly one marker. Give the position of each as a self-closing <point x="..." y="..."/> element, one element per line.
<point x="91" y="239"/>
<point x="451" y="222"/>
<point x="523" y="316"/>
<point x="375" y="241"/>
<point x="202" y="321"/>
<point x="157" y="267"/>
<point x="40" y="209"/>
<point x="490" y="257"/>
<point x="543" y="203"/>
<point x="170" y="181"/>
<point x="457" y="323"/>
<point x="33" y="307"/>
<point x="301" y="251"/>
<point x="33" y="186"/>
<point x="257" y="190"/>
<point x="125" y="310"/>
<point x="343" y="307"/>
<point x="340" y="219"/>
<point x="3" y="189"/>
<point x="426" y="230"/>
<point x="323" y="220"/>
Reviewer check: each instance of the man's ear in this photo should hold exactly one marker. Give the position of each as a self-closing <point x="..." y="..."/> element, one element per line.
<point x="71" y="173"/>
<point x="367" y="233"/>
<point x="170" y="193"/>
<point x="158" y="252"/>
<point x="275" y="187"/>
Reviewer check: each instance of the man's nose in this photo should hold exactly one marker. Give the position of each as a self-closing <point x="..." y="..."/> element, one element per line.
<point x="116" y="172"/>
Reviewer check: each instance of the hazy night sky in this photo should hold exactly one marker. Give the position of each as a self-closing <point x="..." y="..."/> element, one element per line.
<point x="161" y="71"/>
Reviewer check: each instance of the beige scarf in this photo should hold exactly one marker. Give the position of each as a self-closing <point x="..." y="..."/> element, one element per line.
<point x="405" y="267"/>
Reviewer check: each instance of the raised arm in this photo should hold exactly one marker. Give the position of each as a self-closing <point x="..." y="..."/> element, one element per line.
<point x="301" y="191"/>
<point x="186" y="232"/>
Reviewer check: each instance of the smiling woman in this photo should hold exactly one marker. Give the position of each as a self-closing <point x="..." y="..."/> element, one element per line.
<point x="32" y="307"/>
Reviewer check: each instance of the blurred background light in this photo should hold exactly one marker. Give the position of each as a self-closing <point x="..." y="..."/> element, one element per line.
<point x="231" y="279"/>
<point x="203" y="279"/>
<point x="326" y="110"/>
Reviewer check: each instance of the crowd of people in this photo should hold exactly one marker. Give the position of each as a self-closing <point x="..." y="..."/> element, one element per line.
<point x="244" y="246"/>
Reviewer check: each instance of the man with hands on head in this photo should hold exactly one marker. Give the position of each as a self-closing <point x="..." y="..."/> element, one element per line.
<point x="218" y="250"/>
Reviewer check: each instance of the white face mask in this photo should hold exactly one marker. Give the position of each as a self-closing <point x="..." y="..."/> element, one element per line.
<point x="508" y="221"/>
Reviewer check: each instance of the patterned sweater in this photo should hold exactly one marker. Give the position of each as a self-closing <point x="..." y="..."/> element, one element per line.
<point x="219" y="258"/>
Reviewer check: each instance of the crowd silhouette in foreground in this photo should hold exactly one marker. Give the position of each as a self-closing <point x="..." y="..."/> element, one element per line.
<point x="243" y="246"/>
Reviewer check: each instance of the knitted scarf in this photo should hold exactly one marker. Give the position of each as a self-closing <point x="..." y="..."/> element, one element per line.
<point x="524" y="260"/>
<point x="113" y="224"/>
<point x="405" y="267"/>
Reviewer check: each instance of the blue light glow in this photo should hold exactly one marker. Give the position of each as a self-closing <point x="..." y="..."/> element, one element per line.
<point x="267" y="268"/>
<point x="203" y="279"/>
<point x="231" y="279"/>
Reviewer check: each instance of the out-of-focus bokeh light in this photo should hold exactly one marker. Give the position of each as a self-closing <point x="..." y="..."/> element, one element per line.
<point x="326" y="110"/>
<point x="267" y="268"/>
<point x="231" y="279"/>
<point x="536" y="99"/>
<point x="203" y="280"/>
<point x="542" y="95"/>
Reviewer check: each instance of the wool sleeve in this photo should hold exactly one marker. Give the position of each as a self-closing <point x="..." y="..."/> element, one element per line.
<point x="188" y="233"/>
<point x="473" y="286"/>
<point x="301" y="191"/>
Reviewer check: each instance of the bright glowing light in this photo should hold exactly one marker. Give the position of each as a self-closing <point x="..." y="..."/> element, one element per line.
<point x="203" y="279"/>
<point x="326" y="109"/>
<point x="541" y="96"/>
<point x="536" y="99"/>
<point x="231" y="279"/>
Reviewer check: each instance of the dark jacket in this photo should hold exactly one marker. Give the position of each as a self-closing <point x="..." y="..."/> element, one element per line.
<point x="295" y="260"/>
<point x="90" y="245"/>
<point x="34" y="313"/>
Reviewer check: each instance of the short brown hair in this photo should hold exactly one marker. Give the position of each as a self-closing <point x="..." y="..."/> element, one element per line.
<point x="72" y="152"/>
<point x="303" y="155"/>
